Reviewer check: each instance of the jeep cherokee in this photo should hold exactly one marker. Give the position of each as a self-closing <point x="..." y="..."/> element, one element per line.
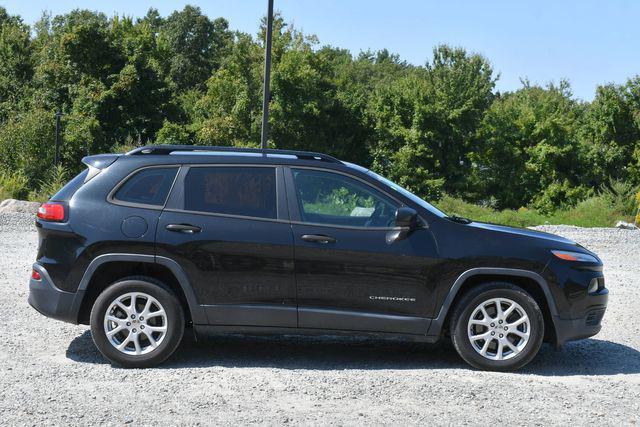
<point x="226" y="240"/>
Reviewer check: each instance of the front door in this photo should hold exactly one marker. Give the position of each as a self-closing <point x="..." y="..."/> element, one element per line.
<point x="348" y="277"/>
<point x="230" y="232"/>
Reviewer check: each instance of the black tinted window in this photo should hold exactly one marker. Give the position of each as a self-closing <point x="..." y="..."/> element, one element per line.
<point x="148" y="187"/>
<point x="246" y="191"/>
<point x="336" y="199"/>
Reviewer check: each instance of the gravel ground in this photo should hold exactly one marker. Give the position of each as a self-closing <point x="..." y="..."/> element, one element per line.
<point x="50" y="372"/>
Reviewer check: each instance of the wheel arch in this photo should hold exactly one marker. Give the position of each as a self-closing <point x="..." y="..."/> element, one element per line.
<point x="107" y="268"/>
<point x="530" y="281"/>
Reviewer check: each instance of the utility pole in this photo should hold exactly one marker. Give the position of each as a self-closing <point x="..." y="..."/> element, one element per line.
<point x="267" y="76"/>
<point x="57" y="157"/>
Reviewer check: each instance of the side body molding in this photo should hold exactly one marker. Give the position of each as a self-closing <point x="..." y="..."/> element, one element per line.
<point x="197" y="313"/>
<point x="438" y="323"/>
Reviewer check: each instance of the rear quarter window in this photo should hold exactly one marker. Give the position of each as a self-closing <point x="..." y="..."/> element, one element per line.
<point x="149" y="186"/>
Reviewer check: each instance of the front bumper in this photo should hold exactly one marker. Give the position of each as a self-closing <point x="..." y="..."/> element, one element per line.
<point x="584" y="326"/>
<point x="50" y="301"/>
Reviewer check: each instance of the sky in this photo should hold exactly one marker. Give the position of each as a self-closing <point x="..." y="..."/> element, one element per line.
<point x="587" y="42"/>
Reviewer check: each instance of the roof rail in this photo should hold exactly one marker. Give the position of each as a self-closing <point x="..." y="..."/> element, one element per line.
<point x="168" y="149"/>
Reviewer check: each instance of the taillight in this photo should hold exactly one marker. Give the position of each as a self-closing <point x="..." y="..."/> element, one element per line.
<point x="35" y="274"/>
<point x="51" y="211"/>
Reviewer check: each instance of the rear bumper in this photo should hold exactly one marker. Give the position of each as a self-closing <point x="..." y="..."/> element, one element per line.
<point x="50" y="301"/>
<point x="585" y="326"/>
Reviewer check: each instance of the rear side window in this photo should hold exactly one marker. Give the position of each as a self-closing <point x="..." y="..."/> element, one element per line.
<point x="149" y="186"/>
<point x="244" y="191"/>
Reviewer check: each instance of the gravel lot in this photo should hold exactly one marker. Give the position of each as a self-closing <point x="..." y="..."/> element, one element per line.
<point x="50" y="372"/>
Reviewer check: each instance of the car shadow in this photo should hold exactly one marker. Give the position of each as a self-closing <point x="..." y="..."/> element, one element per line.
<point x="586" y="357"/>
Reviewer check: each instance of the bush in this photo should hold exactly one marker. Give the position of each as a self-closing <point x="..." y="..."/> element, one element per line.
<point x="560" y="196"/>
<point x="13" y="185"/>
<point x="27" y="144"/>
<point x="49" y="186"/>
<point x="621" y="195"/>
<point x="595" y="211"/>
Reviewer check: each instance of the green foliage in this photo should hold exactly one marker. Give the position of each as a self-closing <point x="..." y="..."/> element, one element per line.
<point x="610" y="134"/>
<point x="436" y="129"/>
<point x="593" y="212"/>
<point x="426" y="119"/>
<point x="621" y="195"/>
<point x="191" y="46"/>
<point x="173" y="133"/>
<point x="527" y="149"/>
<point x="13" y="185"/>
<point x="560" y="195"/>
<point x="16" y="67"/>
<point x="27" y="144"/>
<point x="50" y="185"/>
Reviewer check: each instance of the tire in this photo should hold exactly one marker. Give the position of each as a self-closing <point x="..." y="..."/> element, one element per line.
<point x="163" y="326"/>
<point x="484" y="343"/>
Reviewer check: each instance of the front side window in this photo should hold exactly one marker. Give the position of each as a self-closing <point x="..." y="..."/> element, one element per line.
<point x="336" y="199"/>
<point x="243" y="191"/>
<point x="149" y="186"/>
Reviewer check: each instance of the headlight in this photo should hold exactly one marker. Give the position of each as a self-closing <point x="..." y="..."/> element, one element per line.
<point x="575" y="256"/>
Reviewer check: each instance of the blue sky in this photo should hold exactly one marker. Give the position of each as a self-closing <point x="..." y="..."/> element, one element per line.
<point x="588" y="42"/>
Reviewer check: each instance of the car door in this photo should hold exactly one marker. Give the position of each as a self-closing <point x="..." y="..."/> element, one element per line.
<point x="347" y="276"/>
<point x="228" y="227"/>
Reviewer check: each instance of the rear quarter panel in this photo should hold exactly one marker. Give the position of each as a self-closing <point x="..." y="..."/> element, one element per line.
<point x="93" y="228"/>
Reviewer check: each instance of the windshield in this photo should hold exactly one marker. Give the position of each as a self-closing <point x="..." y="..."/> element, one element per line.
<point x="408" y="194"/>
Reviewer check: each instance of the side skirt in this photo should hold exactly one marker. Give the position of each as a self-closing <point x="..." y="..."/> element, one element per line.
<point x="208" y="331"/>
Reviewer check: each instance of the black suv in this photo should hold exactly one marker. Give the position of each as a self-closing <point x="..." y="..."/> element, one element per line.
<point x="251" y="241"/>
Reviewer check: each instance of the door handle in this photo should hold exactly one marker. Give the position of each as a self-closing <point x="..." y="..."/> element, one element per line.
<point x="183" y="228"/>
<point x="318" y="238"/>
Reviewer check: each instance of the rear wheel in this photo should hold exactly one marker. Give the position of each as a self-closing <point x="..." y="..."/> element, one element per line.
<point x="497" y="326"/>
<point x="137" y="323"/>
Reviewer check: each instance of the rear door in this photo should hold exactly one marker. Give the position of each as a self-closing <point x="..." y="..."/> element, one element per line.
<point x="348" y="277"/>
<point x="228" y="227"/>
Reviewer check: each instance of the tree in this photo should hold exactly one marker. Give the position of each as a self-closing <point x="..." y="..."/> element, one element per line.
<point x="610" y="134"/>
<point x="193" y="46"/>
<point x="16" y="64"/>
<point x="229" y="113"/>
<point x="426" y="122"/>
<point x="528" y="150"/>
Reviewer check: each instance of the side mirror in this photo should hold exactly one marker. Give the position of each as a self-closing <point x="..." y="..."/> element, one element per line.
<point x="406" y="221"/>
<point x="406" y="217"/>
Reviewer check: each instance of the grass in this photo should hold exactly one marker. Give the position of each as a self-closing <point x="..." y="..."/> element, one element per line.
<point x="593" y="212"/>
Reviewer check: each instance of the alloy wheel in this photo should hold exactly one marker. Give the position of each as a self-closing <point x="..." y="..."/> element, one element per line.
<point x="499" y="329"/>
<point x="135" y="323"/>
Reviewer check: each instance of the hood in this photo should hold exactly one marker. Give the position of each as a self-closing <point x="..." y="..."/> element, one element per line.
<point x="521" y="232"/>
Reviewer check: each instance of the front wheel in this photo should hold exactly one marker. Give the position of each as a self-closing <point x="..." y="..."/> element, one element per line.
<point x="497" y="326"/>
<point x="137" y="323"/>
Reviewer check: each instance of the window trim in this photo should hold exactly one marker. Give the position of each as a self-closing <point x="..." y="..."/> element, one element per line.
<point x="175" y="202"/>
<point x="111" y="196"/>
<point x="294" y="208"/>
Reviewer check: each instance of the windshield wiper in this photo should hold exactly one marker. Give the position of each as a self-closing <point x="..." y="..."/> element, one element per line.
<point x="459" y="219"/>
